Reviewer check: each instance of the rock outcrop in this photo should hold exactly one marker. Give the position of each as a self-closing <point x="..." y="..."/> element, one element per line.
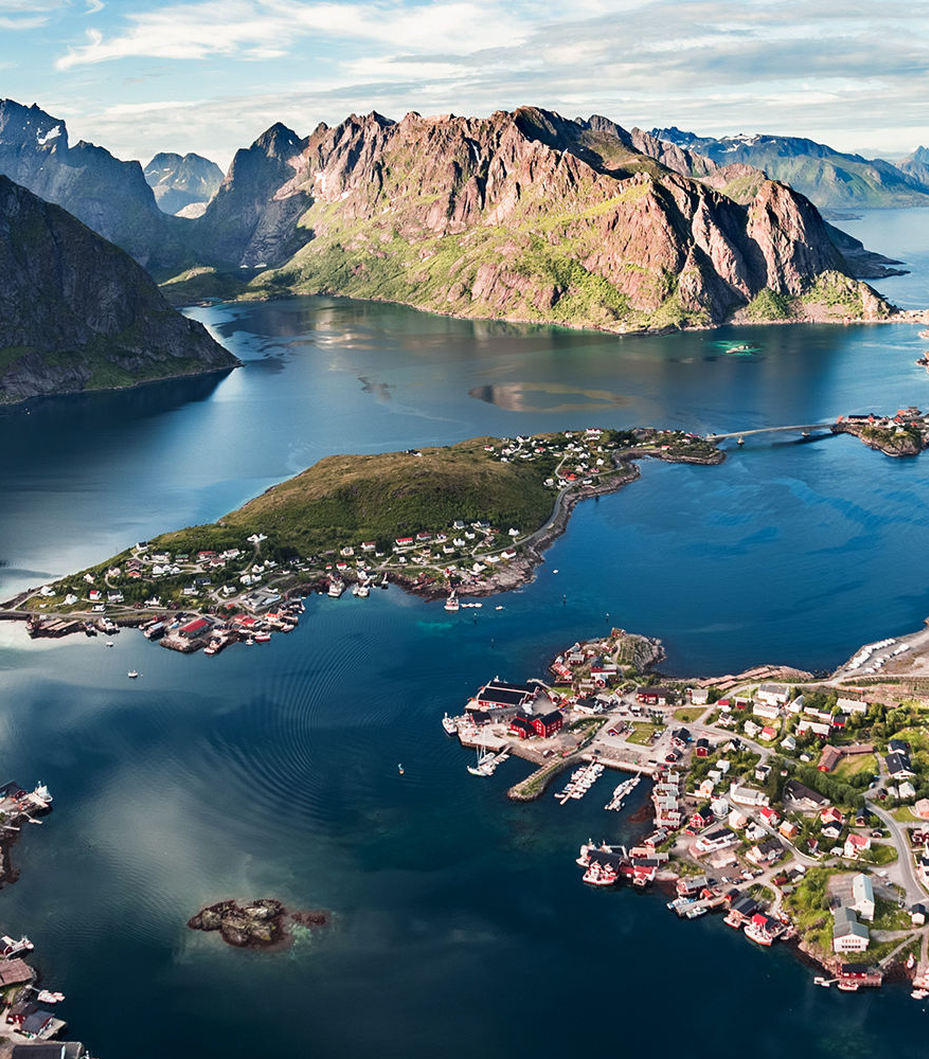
<point x="182" y="181"/>
<point x="257" y="924"/>
<point x="78" y="313"/>
<point x="524" y="215"/>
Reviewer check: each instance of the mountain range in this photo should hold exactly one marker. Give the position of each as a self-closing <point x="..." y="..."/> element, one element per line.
<point x="522" y="215"/>
<point x="77" y="313"/>
<point x="182" y="184"/>
<point x="829" y="178"/>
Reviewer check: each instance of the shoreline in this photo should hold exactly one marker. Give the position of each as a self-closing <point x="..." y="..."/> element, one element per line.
<point x="496" y="569"/>
<point x="900" y="316"/>
<point x="679" y="847"/>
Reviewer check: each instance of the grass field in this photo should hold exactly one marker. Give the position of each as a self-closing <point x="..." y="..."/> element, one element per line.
<point x="851" y="766"/>
<point x="642" y="733"/>
<point x="688" y="714"/>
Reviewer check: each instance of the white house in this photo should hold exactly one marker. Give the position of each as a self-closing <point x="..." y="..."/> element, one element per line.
<point x="863" y="897"/>
<point x="750" y="797"/>
<point x="852" y="705"/>
<point x="766" y="710"/>
<point x="855" y="845"/>
<point x="773" y="694"/>
<point x="848" y="935"/>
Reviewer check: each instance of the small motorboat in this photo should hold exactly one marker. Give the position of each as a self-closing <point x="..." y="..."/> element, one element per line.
<point x="133" y="674"/>
<point x="400" y="769"/>
<point x="109" y="643"/>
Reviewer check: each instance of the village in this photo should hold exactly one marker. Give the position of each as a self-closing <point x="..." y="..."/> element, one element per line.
<point x="798" y="810"/>
<point x="29" y="1019"/>
<point x="211" y="597"/>
<point x="206" y="595"/>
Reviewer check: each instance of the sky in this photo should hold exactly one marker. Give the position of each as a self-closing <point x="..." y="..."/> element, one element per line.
<point x="138" y="76"/>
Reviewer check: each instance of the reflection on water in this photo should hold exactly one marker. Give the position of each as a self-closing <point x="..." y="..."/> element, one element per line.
<point x="524" y="397"/>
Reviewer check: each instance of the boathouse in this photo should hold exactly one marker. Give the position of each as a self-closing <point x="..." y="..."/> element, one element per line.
<point x="499" y="694"/>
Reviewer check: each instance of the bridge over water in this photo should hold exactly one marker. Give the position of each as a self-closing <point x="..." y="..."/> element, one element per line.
<point x="806" y="428"/>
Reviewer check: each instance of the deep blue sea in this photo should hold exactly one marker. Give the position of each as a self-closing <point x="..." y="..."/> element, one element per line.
<point x="461" y="924"/>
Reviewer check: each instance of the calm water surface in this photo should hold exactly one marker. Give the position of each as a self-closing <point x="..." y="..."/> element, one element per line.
<point x="461" y="923"/>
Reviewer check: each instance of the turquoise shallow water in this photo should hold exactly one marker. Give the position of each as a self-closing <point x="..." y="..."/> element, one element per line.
<point x="461" y="922"/>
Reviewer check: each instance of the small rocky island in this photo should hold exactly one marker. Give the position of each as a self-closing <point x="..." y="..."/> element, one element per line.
<point x="255" y="925"/>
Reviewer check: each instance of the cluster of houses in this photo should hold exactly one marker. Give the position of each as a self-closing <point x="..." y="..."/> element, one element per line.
<point x="772" y="704"/>
<point x="29" y="1025"/>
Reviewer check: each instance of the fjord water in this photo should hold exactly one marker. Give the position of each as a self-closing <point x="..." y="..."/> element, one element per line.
<point x="461" y="923"/>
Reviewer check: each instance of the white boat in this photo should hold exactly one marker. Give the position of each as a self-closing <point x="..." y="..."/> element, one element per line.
<point x="44" y="996"/>
<point x="41" y="796"/>
<point x="336" y="587"/>
<point x="452" y="604"/>
<point x="132" y="674"/>
<point x="10" y="947"/>
<point x="362" y="590"/>
<point x="449" y="725"/>
<point x="824" y="982"/>
<point x="919" y="994"/>
<point x="109" y="643"/>
<point x="400" y="769"/>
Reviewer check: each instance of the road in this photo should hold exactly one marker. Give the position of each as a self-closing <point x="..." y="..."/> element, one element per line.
<point x="906" y="871"/>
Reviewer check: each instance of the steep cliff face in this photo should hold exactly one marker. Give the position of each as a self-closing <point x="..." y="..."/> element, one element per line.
<point x="108" y="195"/>
<point x="78" y="313"/>
<point x="179" y="181"/>
<point x="251" y="220"/>
<point x="524" y="216"/>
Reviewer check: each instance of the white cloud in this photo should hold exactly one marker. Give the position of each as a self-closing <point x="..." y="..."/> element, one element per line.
<point x="26" y="14"/>
<point x="843" y="75"/>
<point x="94" y="7"/>
<point x="256" y="29"/>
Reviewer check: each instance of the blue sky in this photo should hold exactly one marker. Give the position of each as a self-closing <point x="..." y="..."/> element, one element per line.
<point x="138" y="76"/>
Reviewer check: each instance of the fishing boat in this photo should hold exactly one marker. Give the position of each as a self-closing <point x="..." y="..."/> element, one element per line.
<point x="41" y="796"/>
<point x="262" y="637"/>
<point x="10" y="947"/>
<point x="848" y="987"/>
